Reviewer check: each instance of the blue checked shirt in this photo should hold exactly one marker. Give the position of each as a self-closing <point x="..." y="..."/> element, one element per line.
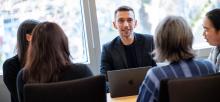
<point x="149" y="90"/>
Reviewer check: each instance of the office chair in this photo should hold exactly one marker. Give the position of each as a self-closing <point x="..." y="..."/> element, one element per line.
<point x="91" y="89"/>
<point x="198" y="89"/>
<point x="163" y="93"/>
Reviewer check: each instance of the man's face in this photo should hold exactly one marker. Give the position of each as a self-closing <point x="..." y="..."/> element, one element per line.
<point x="210" y="33"/>
<point x="125" y="23"/>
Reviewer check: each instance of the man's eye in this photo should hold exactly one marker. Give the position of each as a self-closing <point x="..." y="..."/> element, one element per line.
<point x="130" y="20"/>
<point x="120" y="21"/>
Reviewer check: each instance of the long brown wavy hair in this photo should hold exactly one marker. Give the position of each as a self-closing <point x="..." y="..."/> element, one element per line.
<point x="48" y="54"/>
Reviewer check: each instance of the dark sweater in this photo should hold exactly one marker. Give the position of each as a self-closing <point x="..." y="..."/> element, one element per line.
<point x="75" y="71"/>
<point x="131" y="55"/>
<point x="11" y="67"/>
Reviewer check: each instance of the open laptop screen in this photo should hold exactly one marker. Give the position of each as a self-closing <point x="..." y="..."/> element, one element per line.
<point x="126" y="82"/>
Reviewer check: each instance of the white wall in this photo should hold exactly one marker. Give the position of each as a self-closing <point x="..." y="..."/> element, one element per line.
<point x="203" y="53"/>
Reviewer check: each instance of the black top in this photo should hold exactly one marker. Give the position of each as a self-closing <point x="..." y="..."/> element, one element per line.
<point x="75" y="71"/>
<point x="130" y="54"/>
<point x="11" y="67"/>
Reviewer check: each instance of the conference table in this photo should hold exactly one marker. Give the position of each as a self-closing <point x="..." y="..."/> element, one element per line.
<point x="122" y="99"/>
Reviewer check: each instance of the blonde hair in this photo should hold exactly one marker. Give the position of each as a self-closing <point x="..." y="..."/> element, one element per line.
<point x="173" y="40"/>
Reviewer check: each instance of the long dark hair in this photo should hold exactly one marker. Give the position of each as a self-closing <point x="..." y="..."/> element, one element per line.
<point x="214" y="16"/>
<point x="48" y="54"/>
<point x="24" y="28"/>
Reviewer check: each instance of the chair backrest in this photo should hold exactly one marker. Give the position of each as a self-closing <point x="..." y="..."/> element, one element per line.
<point x="91" y="89"/>
<point x="199" y="89"/>
<point x="163" y="93"/>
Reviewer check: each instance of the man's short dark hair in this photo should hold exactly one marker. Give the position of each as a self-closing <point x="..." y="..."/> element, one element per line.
<point x="124" y="8"/>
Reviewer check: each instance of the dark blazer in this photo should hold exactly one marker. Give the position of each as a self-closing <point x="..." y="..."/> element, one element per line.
<point x="113" y="56"/>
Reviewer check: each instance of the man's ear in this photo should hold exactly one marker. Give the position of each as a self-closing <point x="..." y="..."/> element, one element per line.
<point x="28" y="37"/>
<point x="135" y="23"/>
<point x="218" y="33"/>
<point x="114" y="24"/>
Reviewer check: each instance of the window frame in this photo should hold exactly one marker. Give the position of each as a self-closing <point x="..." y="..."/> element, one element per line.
<point x="92" y="34"/>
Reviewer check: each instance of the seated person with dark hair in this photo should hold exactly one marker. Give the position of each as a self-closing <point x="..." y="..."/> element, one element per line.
<point x="48" y="59"/>
<point x="129" y="49"/>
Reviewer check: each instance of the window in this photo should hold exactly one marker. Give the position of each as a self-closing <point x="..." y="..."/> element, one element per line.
<point x="150" y="12"/>
<point x="67" y="13"/>
<point x="79" y="20"/>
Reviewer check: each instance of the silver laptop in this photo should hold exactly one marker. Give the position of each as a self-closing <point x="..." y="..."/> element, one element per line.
<point x="126" y="82"/>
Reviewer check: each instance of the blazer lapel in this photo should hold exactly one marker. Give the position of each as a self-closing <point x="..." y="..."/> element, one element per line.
<point x="138" y="48"/>
<point x="119" y="47"/>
